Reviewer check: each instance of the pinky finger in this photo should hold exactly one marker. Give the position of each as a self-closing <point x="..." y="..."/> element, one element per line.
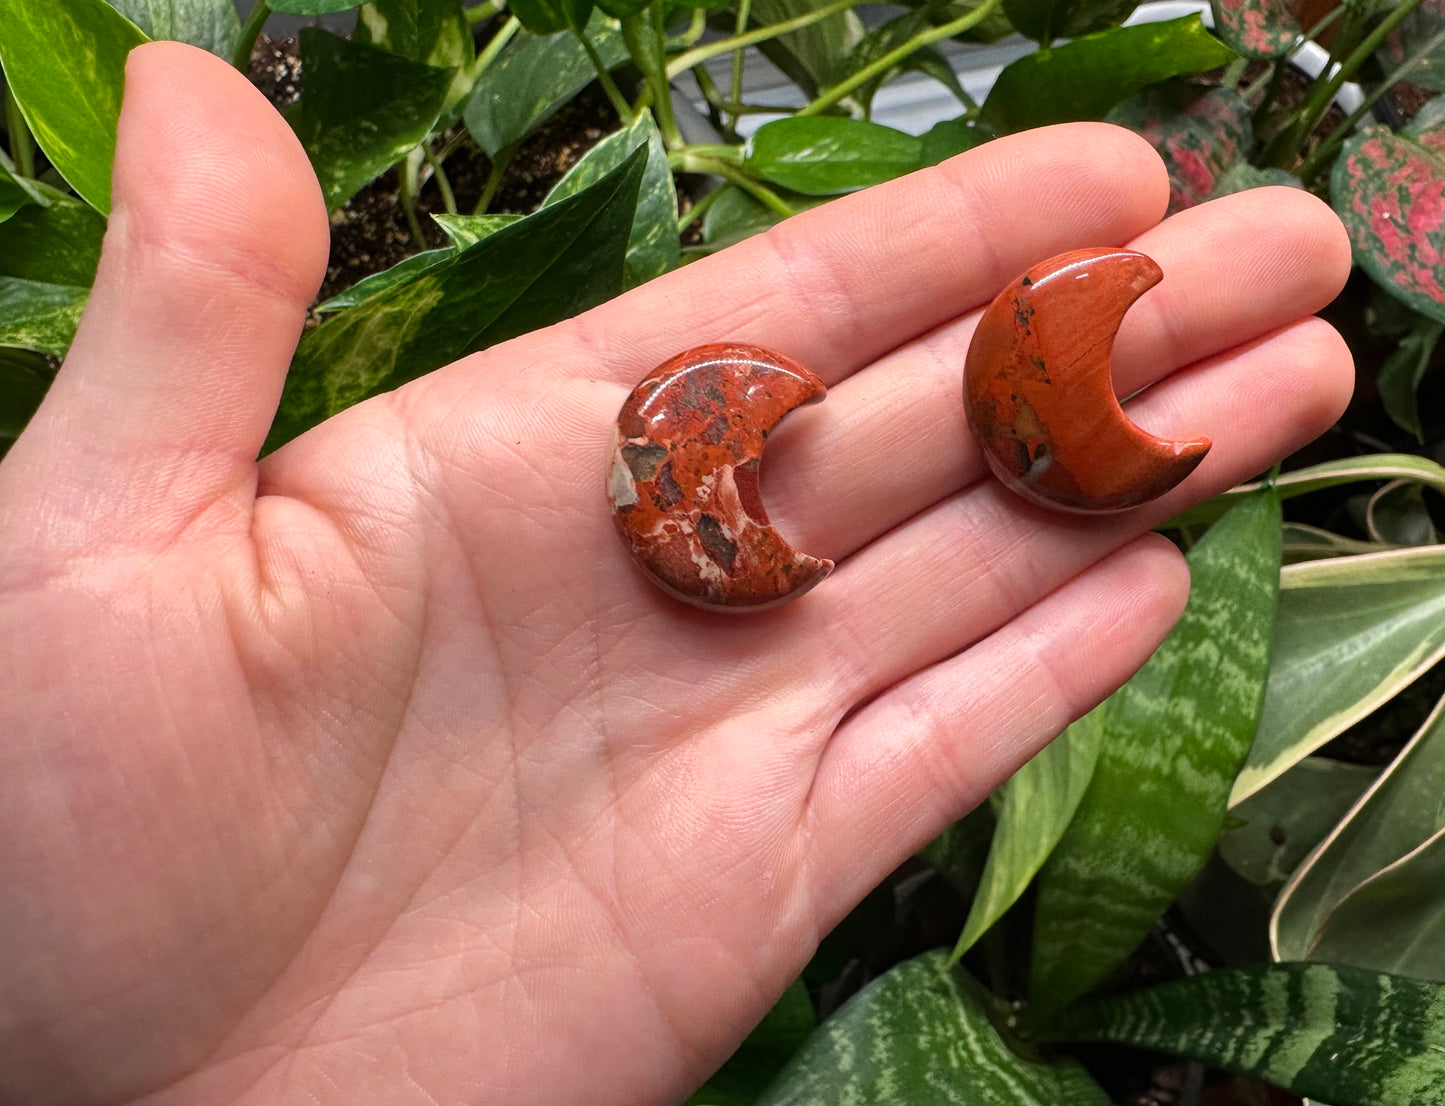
<point x="932" y="747"/>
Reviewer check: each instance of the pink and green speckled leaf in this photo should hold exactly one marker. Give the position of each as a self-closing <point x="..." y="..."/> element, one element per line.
<point x="1199" y="137"/>
<point x="1389" y="189"/>
<point x="1256" y="28"/>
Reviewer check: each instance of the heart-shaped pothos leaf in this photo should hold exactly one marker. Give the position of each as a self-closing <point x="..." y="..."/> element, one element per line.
<point x="1387" y="188"/>
<point x="1199" y="137"/>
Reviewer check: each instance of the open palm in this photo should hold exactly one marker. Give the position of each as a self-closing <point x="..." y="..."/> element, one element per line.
<point x="375" y="771"/>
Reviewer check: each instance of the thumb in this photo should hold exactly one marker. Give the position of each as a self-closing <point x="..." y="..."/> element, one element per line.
<point x="217" y="241"/>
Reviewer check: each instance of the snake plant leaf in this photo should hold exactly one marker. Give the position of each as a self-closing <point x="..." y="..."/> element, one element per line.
<point x="1333" y="1032"/>
<point x="1257" y="28"/>
<point x="1084" y="78"/>
<point x="24" y="378"/>
<point x="1397" y="515"/>
<point x="210" y="24"/>
<point x="468" y="230"/>
<point x="652" y="248"/>
<point x="960" y="852"/>
<point x="1395" y="920"/>
<point x="1046" y="21"/>
<point x="551" y="265"/>
<point x="814" y="56"/>
<point x="1401" y="811"/>
<point x="762" y="1055"/>
<point x="432" y="32"/>
<point x="827" y="155"/>
<point x="1035" y="807"/>
<point x="1303" y="542"/>
<point x="1174" y="738"/>
<point x="1198" y="136"/>
<point x="1402" y="372"/>
<point x="314" y="7"/>
<point x="1329" y="474"/>
<point x="1274" y="829"/>
<point x="920" y="1034"/>
<point x="362" y="110"/>
<point x="65" y="63"/>
<point x="1385" y="187"/>
<point x="1350" y="634"/>
<point x="532" y="78"/>
<point x="39" y="316"/>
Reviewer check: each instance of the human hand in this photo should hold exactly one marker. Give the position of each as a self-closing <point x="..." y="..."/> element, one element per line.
<point x="375" y="771"/>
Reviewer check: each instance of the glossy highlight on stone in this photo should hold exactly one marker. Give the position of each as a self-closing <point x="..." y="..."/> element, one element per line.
<point x="683" y="477"/>
<point x="1039" y="394"/>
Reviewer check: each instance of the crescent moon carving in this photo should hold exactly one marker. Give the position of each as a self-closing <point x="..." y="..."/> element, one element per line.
<point x="1039" y="396"/>
<point x="683" y="479"/>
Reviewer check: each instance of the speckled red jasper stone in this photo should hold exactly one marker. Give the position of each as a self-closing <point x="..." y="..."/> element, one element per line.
<point x="1039" y="394"/>
<point x="683" y="477"/>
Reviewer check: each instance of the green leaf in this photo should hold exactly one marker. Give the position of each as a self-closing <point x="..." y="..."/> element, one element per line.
<point x="58" y="243"/>
<point x="362" y="110"/>
<point x="39" y="316"/>
<point x="1336" y="1033"/>
<point x="1385" y="187"/>
<point x="1199" y="136"/>
<point x="1242" y="176"/>
<point x="1414" y="36"/>
<point x="951" y="136"/>
<point x="65" y="62"/>
<point x="1400" y="375"/>
<point x="1037" y="805"/>
<point x="652" y="248"/>
<point x="433" y="32"/>
<point x="826" y="155"/>
<point x="1308" y="543"/>
<point x="24" y="378"/>
<point x="735" y="215"/>
<point x="532" y="78"/>
<point x="961" y="852"/>
<point x="314" y="7"/>
<point x="367" y="287"/>
<point x="549" y="266"/>
<point x="16" y="192"/>
<point x="1174" y="738"/>
<point x="1395" y="920"/>
<point x="1397" y="515"/>
<point x="1257" y="28"/>
<point x="814" y="56"/>
<point x="1274" y="829"/>
<point x="210" y="24"/>
<point x="1047" y="21"/>
<point x="762" y="1055"/>
<point x="1350" y="634"/>
<point x="1313" y="478"/>
<point x="547" y="17"/>
<point x="919" y="1034"/>
<point x="1403" y="810"/>
<point x="1085" y="78"/>
<point x="468" y="230"/>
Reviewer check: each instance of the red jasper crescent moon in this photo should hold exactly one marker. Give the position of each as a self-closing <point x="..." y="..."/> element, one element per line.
<point x="1039" y="396"/>
<point x="683" y="477"/>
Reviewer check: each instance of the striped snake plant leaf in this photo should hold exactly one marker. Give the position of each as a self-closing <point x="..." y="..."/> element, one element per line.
<point x="1351" y="633"/>
<point x="1401" y="812"/>
<point x="920" y="1034"/>
<point x="1174" y="738"/>
<point x="1035" y="806"/>
<point x="65" y="62"/>
<point x="1341" y="1034"/>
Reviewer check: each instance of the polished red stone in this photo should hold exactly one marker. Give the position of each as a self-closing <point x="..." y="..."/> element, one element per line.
<point x="1039" y="396"/>
<point x="683" y="477"/>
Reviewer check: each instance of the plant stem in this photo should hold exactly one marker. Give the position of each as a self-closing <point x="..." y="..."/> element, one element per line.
<point x="494" y="180"/>
<point x="604" y="78"/>
<point x="485" y="11"/>
<point x="250" y="32"/>
<point x="731" y="155"/>
<point x="695" y="30"/>
<point x="444" y="186"/>
<point x="406" y="174"/>
<point x="683" y="62"/>
<point x="22" y="143"/>
<point x="698" y="210"/>
<point x="688" y="162"/>
<point x="893" y="57"/>
<point x="644" y="35"/>
<point x="1326" y="150"/>
<point x="494" y="47"/>
<point x="735" y="84"/>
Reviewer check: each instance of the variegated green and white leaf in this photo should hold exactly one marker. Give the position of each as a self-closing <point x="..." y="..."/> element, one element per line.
<point x="1308" y="543"/>
<point x="1035" y="806"/>
<point x="468" y="230"/>
<point x="1396" y="515"/>
<point x="1402" y="810"/>
<point x="1174" y="738"/>
<point x="1333" y="1032"/>
<point x="919" y="1034"/>
<point x="1351" y="633"/>
<point x="39" y="316"/>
